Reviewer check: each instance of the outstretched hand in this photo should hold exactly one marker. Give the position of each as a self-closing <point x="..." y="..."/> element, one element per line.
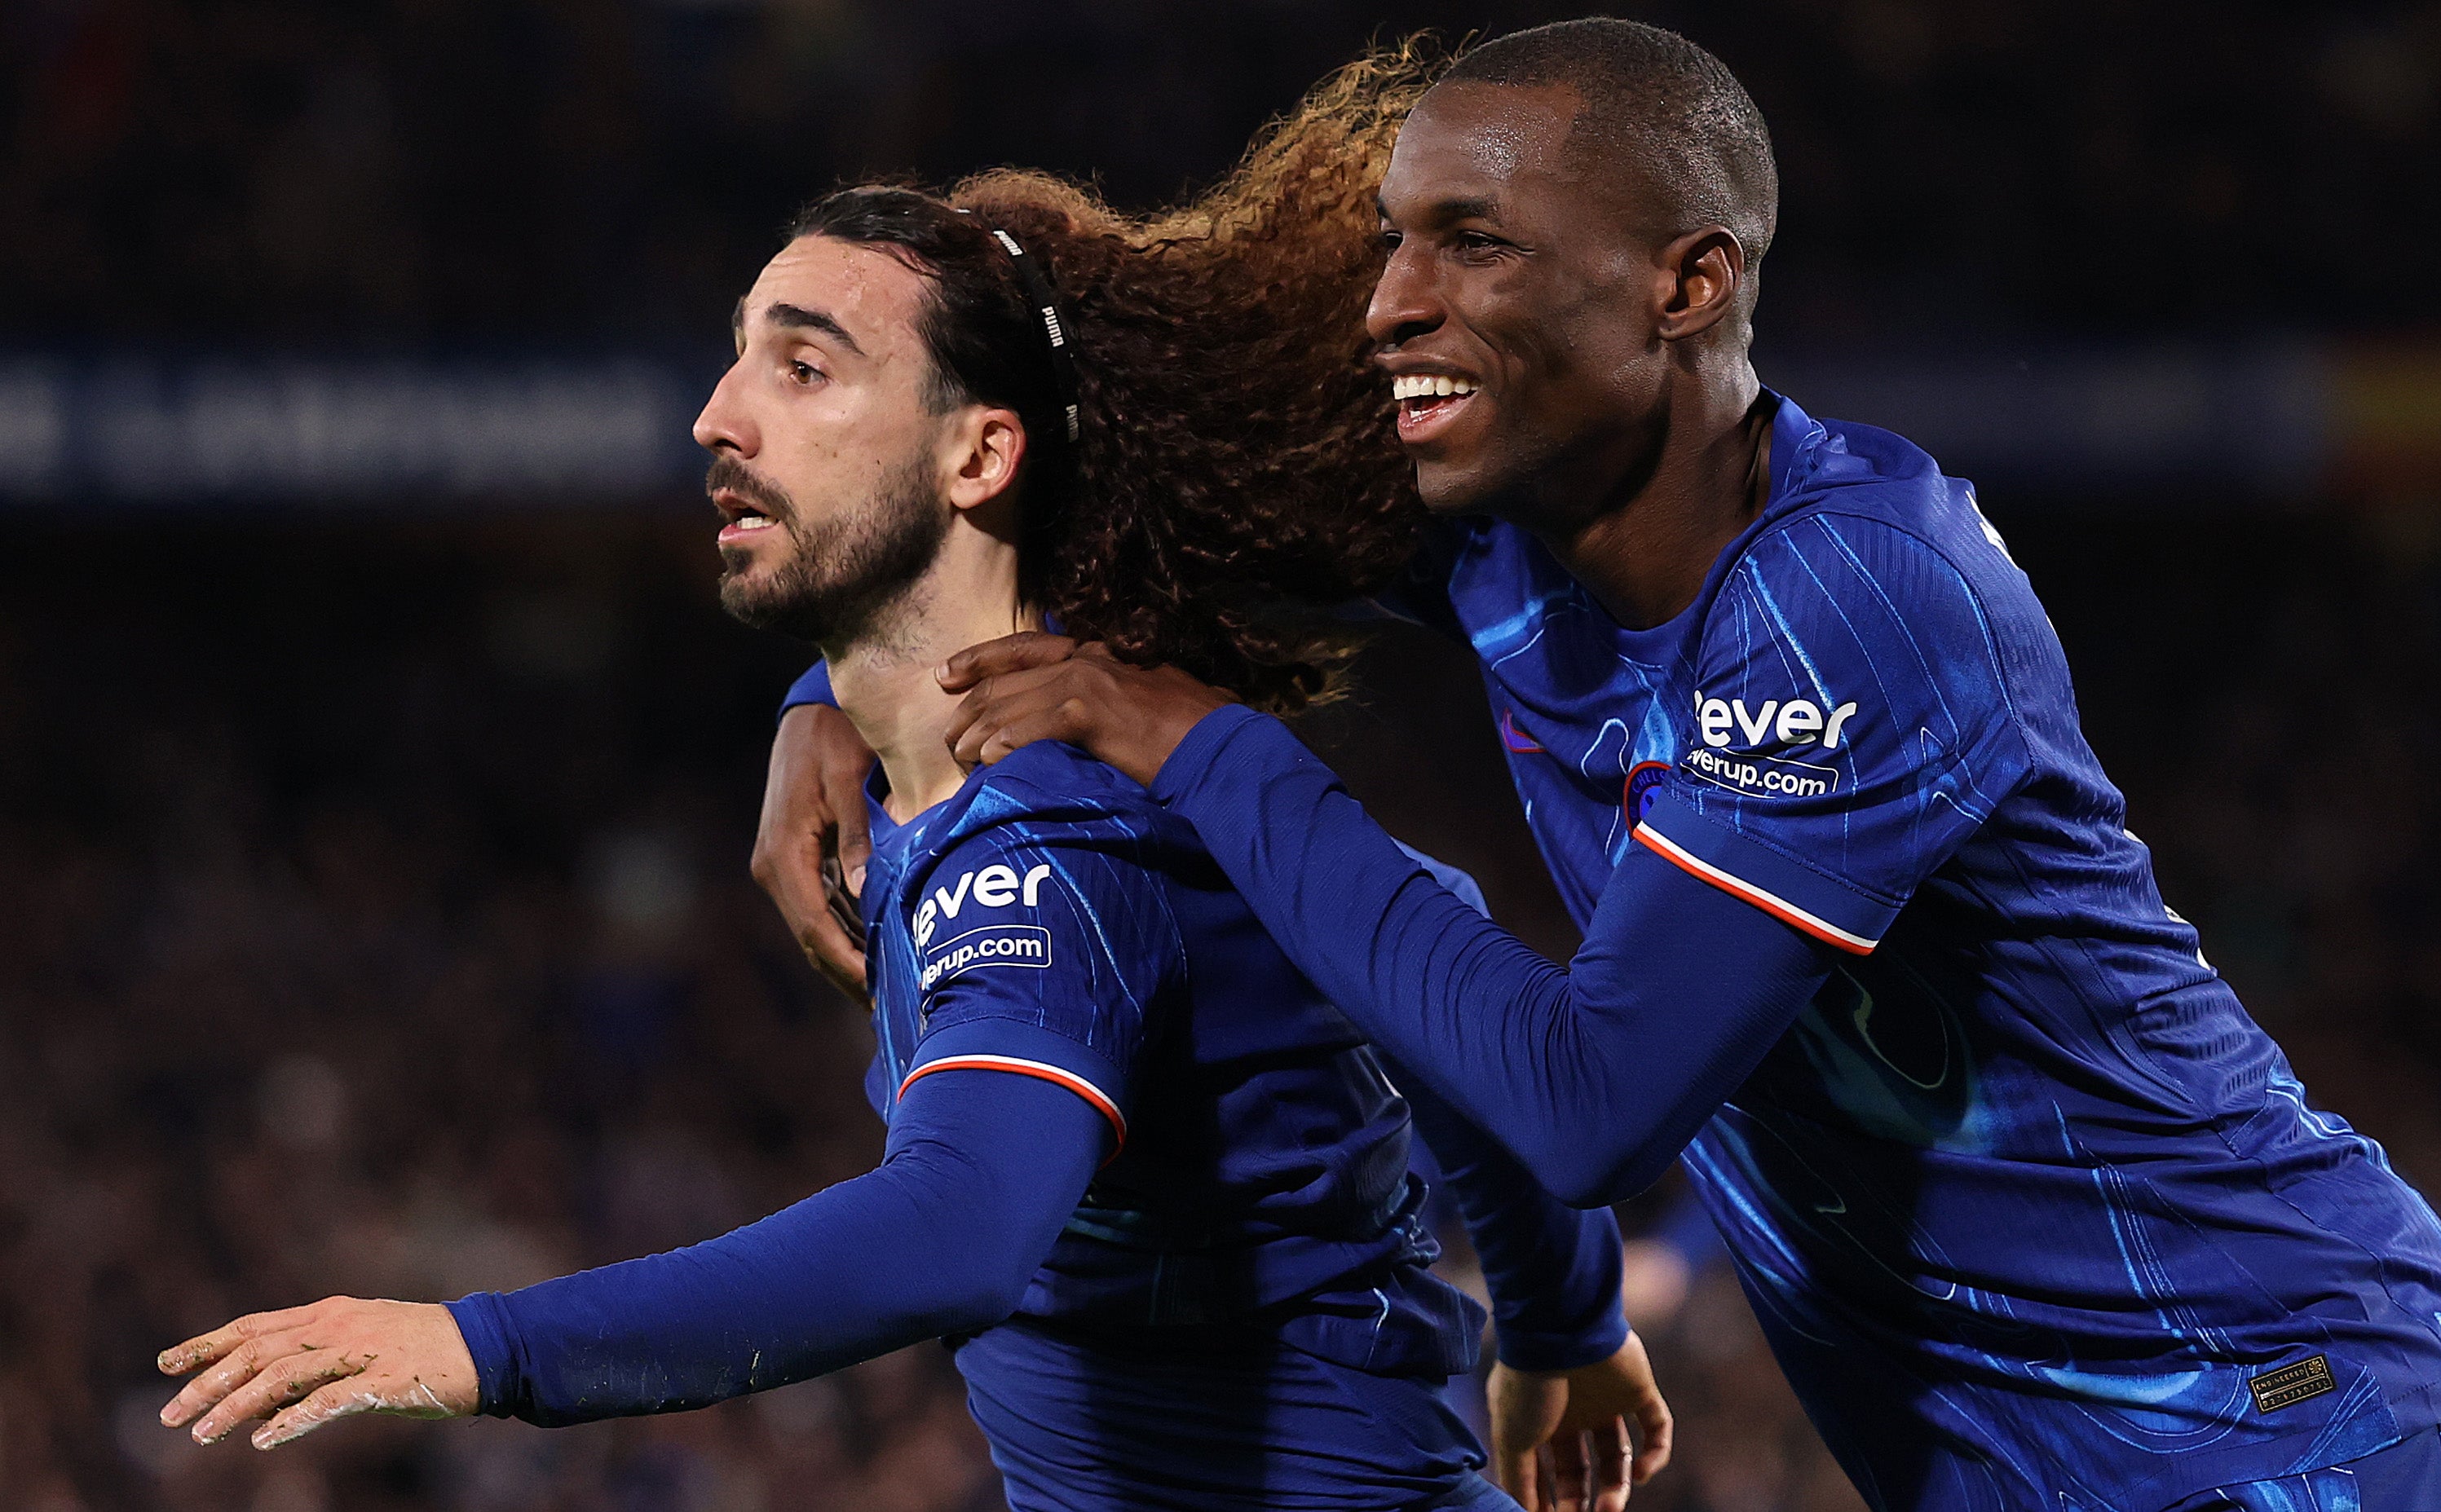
<point x="1033" y="686"/>
<point x="1561" y="1439"/>
<point x="302" y="1367"/>
<point x="813" y="842"/>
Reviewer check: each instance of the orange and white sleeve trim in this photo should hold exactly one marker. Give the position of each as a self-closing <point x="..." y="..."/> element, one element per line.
<point x="1772" y="903"/>
<point x="1057" y="1075"/>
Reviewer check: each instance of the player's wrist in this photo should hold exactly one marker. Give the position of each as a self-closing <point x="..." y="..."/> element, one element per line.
<point x="1194" y="752"/>
<point x="1160" y="741"/>
<point x="456" y="1385"/>
<point x="486" y="1331"/>
<point x="1557" y="1351"/>
<point x="1144" y="714"/>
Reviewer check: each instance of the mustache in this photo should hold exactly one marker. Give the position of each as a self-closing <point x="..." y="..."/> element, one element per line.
<point x="726" y="471"/>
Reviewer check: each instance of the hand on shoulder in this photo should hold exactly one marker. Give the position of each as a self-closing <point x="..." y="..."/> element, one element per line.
<point x="1033" y="686"/>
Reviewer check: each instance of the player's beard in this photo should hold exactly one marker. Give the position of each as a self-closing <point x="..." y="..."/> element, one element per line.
<point x="835" y="592"/>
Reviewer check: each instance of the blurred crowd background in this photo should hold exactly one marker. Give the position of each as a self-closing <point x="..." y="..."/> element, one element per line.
<point x="374" y="914"/>
<point x="418" y="170"/>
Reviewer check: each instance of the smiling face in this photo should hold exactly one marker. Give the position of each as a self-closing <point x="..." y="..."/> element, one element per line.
<point x="1519" y="313"/>
<point x="828" y="446"/>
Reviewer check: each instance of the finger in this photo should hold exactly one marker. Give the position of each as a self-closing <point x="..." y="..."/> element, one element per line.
<point x="832" y="949"/>
<point x="1609" y="1454"/>
<point x="789" y="866"/>
<point x="327" y="1404"/>
<point x="992" y="696"/>
<point x="1017" y="653"/>
<point x="987" y="738"/>
<point x="1655" y="1427"/>
<point x="854" y="839"/>
<point x="830" y="933"/>
<point x="843" y="913"/>
<point x="278" y="1385"/>
<point x="200" y="1350"/>
<point x="229" y="1373"/>
<point x="1062" y="721"/>
<point x="205" y="1348"/>
<point x="789" y="847"/>
<point x="1569" y="1471"/>
<point x="1519" y="1475"/>
<point x="824" y="939"/>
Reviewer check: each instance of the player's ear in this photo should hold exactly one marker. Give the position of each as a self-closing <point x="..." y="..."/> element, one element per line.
<point x="1699" y="276"/>
<point x="987" y="447"/>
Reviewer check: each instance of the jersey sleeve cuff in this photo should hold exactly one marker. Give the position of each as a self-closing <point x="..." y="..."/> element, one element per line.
<point x="1835" y="913"/>
<point x="1013" y="1046"/>
<point x="1531" y="1349"/>
<point x="812" y="686"/>
<point x="483" y="1323"/>
<point x="1206" y="745"/>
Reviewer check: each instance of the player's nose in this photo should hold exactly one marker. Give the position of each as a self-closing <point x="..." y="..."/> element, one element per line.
<point x="725" y="425"/>
<point x="1405" y="304"/>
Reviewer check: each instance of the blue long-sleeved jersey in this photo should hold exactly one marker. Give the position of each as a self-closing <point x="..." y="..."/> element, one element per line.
<point x="1552" y="1273"/>
<point x="1051" y="921"/>
<point x="1102" y="997"/>
<point x="2032" y="1211"/>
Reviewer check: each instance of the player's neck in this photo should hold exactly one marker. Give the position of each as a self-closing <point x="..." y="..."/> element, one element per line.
<point x="1644" y="558"/>
<point x="884" y="681"/>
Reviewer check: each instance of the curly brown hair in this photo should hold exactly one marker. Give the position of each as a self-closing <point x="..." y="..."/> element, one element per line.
<point x="1237" y="469"/>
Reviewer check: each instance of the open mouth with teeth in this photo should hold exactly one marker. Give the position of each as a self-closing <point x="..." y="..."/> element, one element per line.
<point x="1426" y="399"/>
<point x="739" y="518"/>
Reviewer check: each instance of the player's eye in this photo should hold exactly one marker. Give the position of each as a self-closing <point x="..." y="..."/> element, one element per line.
<point x="1390" y="239"/>
<point x="1478" y="243"/>
<point x="804" y="374"/>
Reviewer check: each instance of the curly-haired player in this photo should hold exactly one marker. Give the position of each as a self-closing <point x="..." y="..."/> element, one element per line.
<point x="2033" y="1213"/>
<point x="1151" y="1186"/>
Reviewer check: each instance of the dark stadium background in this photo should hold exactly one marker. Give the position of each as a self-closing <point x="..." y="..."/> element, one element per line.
<point x="376" y="775"/>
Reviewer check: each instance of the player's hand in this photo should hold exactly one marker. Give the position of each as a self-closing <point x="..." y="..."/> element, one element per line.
<point x="812" y="845"/>
<point x="1032" y="685"/>
<point x="303" y="1367"/>
<point x="1560" y="1438"/>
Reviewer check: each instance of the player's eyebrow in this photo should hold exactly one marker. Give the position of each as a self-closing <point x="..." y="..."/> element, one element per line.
<point x="1444" y="213"/>
<point x="1475" y="210"/>
<point x="797" y="318"/>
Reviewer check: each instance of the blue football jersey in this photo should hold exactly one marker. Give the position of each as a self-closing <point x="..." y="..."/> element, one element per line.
<point x="1050" y="920"/>
<point x="2033" y="1215"/>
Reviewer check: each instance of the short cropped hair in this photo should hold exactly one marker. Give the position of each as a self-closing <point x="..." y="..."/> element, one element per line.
<point x="1655" y="106"/>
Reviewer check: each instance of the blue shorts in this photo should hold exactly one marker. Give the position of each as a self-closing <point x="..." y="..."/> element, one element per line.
<point x="2405" y="1477"/>
<point x="1086" y="1421"/>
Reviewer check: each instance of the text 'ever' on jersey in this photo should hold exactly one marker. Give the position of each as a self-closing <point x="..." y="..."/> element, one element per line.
<point x="2032" y="1211"/>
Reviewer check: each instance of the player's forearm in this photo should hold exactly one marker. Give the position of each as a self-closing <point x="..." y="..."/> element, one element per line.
<point x="1594" y="1076"/>
<point x="942" y="1238"/>
<point x="1554" y="1271"/>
